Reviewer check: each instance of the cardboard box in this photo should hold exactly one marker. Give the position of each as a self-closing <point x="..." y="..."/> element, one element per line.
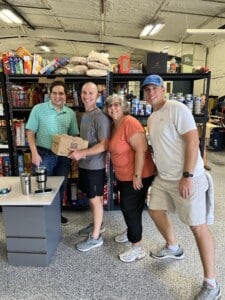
<point x="124" y="64"/>
<point x="62" y="144"/>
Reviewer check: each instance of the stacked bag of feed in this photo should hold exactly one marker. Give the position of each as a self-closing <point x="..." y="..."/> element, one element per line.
<point x="96" y="64"/>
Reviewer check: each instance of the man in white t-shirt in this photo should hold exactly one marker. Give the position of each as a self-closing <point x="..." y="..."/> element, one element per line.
<point x="181" y="182"/>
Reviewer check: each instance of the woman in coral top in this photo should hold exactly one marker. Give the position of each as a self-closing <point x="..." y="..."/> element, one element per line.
<point x="134" y="170"/>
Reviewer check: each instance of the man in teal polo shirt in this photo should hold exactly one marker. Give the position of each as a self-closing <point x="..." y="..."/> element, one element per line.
<point x="45" y="120"/>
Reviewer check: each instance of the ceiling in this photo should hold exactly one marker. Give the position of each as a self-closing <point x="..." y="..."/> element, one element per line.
<point x="75" y="27"/>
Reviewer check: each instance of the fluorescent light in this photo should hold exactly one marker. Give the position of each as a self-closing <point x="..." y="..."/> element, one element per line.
<point x="9" y="17"/>
<point x="146" y="30"/>
<point x="205" y="31"/>
<point x="45" y="48"/>
<point x="151" y="29"/>
<point x="156" y="28"/>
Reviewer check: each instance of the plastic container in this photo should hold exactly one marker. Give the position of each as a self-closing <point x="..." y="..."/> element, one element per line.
<point x="173" y="66"/>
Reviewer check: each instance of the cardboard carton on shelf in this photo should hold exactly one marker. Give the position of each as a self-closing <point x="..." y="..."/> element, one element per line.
<point x="62" y="144"/>
<point x="124" y="64"/>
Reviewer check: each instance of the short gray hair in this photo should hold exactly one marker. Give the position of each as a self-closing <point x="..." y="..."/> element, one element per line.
<point x="119" y="98"/>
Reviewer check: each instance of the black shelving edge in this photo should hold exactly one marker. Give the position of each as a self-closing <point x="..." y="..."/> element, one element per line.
<point x="4" y="150"/>
<point x="21" y="109"/>
<point x="35" y="78"/>
<point x="22" y="148"/>
<point x="117" y="78"/>
<point x="198" y="119"/>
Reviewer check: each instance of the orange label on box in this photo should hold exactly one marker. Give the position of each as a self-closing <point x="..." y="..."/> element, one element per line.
<point x="124" y="64"/>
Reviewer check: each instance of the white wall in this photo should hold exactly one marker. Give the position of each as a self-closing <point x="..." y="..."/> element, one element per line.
<point x="216" y="63"/>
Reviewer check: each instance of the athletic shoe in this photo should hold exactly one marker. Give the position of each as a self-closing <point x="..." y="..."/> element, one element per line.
<point x="167" y="253"/>
<point x="208" y="293"/>
<point x="121" y="238"/>
<point x="89" y="243"/>
<point x="133" y="254"/>
<point x="87" y="231"/>
<point x="64" y="221"/>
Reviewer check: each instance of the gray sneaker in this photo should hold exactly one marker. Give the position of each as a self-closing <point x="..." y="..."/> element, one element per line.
<point x="167" y="253"/>
<point x="121" y="238"/>
<point x="87" y="231"/>
<point x="89" y="243"/>
<point x="133" y="254"/>
<point x="208" y="293"/>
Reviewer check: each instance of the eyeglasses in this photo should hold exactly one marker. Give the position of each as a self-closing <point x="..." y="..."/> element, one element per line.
<point x="115" y="104"/>
<point x="5" y="191"/>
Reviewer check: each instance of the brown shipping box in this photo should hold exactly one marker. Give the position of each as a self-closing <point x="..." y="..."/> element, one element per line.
<point x="62" y="144"/>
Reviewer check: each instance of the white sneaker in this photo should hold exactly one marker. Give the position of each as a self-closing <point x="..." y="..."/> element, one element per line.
<point x="121" y="238"/>
<point x="133" y="254"/>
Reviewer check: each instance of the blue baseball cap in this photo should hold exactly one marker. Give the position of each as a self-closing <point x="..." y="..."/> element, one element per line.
<point x="153" y="79"/>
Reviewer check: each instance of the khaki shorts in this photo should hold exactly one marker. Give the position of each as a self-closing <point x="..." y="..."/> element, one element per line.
<point x="165" y="195"/>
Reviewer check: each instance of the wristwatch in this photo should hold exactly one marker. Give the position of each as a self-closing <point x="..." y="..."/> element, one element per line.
<point x="187" y="174"/>
<point x="137" y="176"/>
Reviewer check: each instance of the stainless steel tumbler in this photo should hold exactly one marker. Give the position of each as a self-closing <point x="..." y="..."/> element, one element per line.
<point x="25" y="183"/>
<point x="41" y="177"/>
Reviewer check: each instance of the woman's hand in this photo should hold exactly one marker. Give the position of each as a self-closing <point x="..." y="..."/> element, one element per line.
<point x="137" y="182"/>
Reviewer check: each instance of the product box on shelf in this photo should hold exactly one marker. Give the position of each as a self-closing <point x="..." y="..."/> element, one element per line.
<point x="21" y="52"/>
<point x="124" y="64"/>
<point x="62" y="144"/>
<point x="27" y="64"/>
<point x="155" y="62"/>
<point x="37" y="64"/>
<point x="53" y="65"/>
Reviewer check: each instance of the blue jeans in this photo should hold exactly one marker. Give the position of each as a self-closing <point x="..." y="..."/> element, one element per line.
<point x="56" y="166"/>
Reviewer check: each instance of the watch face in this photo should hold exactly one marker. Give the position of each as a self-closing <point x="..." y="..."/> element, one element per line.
<point x="187" y="174"/>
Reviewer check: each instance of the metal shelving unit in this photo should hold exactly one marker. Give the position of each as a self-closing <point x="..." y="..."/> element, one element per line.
<point x="110" y="80"/>
<point x="14" y="111"/>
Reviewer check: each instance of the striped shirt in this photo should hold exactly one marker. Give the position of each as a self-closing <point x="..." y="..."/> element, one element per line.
<point x="46" y="121"/>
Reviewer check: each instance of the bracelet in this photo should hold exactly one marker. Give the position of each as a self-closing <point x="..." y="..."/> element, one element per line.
<point x="137" y="176"/>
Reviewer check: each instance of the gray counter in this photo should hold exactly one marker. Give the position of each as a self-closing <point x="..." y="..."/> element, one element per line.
<point x="32" y="222"/>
